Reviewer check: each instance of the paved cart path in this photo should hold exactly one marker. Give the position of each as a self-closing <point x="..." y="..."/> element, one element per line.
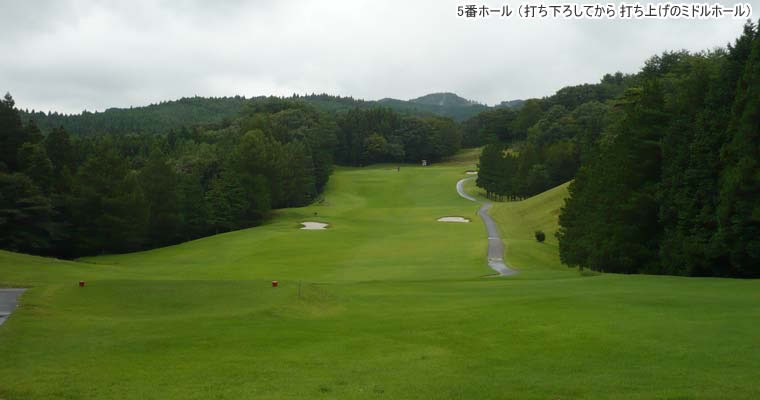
<point x="495" y="245"/>
<point x="8" y="300"/>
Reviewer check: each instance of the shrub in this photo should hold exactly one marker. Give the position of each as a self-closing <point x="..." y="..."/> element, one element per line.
<point x="540" y="236"/>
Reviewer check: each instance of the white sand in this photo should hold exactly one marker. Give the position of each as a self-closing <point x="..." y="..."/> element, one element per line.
<point x="453" y="219"/>
<point x="472" y="172"/>
<point x="314" y="226"/>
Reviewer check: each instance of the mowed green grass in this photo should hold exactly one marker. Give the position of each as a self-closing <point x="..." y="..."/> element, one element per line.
<point x="519" y="220"/>
<point x="392" y="305"/>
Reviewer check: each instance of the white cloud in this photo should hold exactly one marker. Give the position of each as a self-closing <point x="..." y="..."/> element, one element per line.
<point x="76" y="55"/>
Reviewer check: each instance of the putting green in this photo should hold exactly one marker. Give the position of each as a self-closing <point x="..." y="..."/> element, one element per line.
<point x="385" y="303"/>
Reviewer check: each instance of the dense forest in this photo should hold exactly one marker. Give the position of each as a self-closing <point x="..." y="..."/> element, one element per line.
<point x="543" y="143"/>
<point x="116" y="193"/>
<point x="192" y="111"/>
<point x="665" y="163"/>
<point x="447" y="105"/>
<point x="676" y="187"/>
<point x="380" y="134"/>
<point x="66" y="194"/>
<point x="153" y="119"/>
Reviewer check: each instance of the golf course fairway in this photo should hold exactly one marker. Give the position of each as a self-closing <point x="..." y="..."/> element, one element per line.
<point x="384" y="303"/>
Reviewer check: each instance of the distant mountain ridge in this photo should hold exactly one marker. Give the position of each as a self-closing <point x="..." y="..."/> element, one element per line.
<point x="444" y="99"/>
<point x="189" y="111"/>
<point x="445" y="104"/>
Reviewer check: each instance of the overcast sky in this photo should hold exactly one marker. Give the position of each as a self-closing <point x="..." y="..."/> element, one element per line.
<point x="74" y="55"/>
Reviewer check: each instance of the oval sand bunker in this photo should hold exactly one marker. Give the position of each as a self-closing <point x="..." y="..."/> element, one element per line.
<point x="472" y="172"/>
<point x="453" y="219"/>
<point x="314" y="226"/>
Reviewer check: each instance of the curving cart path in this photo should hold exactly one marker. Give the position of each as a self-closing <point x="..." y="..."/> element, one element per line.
<point x="495" y="245"/>
<point x="8" y="300"/>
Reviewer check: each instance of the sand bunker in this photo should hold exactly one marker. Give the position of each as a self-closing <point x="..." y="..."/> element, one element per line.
<point x="314" y="226"/>
<point x="453" y="219"/>
<point x="472" y="172"/>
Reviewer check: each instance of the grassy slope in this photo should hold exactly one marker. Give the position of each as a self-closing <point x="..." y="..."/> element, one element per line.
<point x="519" y="221"/>
<point x="392" y="305"/>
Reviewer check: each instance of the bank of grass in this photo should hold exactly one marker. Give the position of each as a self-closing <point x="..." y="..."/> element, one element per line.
<point x="387" y="303"/>
<point x="519" y="220"/>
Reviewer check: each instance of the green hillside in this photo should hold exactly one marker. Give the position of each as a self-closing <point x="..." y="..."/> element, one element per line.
<point x="519" y="220"/>
<point x="385" y="303"/>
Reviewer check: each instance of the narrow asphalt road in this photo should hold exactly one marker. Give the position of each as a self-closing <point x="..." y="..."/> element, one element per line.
<point x="8" y="300"/>
<point x="495" y="245"/>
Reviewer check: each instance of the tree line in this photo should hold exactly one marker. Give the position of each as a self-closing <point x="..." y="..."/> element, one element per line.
<point x="675" y="185"/>
<point x="164" y="116"/>
<point x="543" y="143"/>
<point x="153" y="119"/>
<point x="367" y="136"/>
<point x="70" y="195"/>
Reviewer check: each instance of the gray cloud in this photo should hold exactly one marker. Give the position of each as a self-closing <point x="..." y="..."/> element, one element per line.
<point x="76" y="55"/>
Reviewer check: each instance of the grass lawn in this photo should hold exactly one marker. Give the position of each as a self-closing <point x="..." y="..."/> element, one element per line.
<point x="392" y="304"/>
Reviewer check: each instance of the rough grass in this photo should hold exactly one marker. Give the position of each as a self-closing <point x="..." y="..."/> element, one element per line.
<point x="392" y="304"/>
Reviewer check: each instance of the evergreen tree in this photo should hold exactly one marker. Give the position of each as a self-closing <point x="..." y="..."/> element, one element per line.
<point x="109" y="211"/>
<point x="489" y="168"/>
<point x="32" y="132"/>
<point x="739" y="204"/>
<point x="195" y="212"/>
<point x="227" y="202"/>
<point x="33" y="162"/>
<point x="59" y="149"/>
<point x="25" y="215"/>
<point x="160" y="184"/>
<point x="12" y="134"/>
